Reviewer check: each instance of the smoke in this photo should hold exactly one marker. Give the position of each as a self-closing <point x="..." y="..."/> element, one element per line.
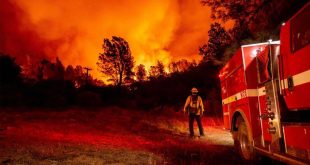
<point x="73" y="30"/>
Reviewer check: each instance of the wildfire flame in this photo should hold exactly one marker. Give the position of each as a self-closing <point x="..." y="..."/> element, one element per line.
<point x="73" y="30"/>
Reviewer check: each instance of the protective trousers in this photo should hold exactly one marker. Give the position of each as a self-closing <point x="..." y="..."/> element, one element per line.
<point x="192" y="117"/>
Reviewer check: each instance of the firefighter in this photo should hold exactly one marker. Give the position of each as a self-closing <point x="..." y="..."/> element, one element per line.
<point x="194" y="108"/>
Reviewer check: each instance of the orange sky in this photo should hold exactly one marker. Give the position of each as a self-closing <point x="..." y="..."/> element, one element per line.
<point x="73" y="30"/>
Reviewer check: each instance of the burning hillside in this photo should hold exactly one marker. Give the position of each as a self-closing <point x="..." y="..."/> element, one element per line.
<point x="74" y="30"/>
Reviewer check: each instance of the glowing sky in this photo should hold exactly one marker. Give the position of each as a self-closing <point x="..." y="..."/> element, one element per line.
<point x="73" y="30"/>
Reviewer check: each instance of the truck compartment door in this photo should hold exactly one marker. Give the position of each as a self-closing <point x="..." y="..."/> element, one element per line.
<point x="297" y="140"/>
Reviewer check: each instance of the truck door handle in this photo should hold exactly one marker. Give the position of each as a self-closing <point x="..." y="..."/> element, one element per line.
<point x="290" y="83"/>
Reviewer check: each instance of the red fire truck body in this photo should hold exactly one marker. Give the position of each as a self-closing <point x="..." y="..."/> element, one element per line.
<point x="266" y="94"/>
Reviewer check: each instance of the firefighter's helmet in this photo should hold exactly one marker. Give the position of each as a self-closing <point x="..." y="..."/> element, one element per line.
<point x="194" y="90"/>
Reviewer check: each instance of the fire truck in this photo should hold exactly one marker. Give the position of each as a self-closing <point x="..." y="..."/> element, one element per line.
<point x="265" y="91"/>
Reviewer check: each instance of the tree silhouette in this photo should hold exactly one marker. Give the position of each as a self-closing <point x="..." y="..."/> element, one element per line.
<point x="59" y="70"/>
<point x="161" y="69"/>
<point x="242" y="12"/>
<point x="157" y="71"/>
<point x="116" y="61"/>
<point x="179" y="66"/>
<point x="141" y="72"/>
<point x="129" y="74"/>
<point x="153" y="72"/>
<point x="219" y="39"/>
<point x="79" y="76"/>
<point x="51" y="70"/>
<point x="69" y="73"/>
<point x="252" y="16"/>
<point x="9" y="70"/>
<point x="41" y="67"/>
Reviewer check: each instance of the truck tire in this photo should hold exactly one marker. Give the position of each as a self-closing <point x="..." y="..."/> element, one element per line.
<point x="243" y="144"/>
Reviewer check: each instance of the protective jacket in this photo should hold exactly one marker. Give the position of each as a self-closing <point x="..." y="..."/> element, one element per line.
<point x="193" y="105"/>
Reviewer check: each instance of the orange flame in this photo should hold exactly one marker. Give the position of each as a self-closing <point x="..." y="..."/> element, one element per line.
<point x="155" y="30"/>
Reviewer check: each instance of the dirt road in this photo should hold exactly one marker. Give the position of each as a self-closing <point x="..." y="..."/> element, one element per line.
<point x="109" y="136"/>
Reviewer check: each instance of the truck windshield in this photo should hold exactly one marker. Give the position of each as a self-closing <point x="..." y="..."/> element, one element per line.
<point x="300" y="30"/>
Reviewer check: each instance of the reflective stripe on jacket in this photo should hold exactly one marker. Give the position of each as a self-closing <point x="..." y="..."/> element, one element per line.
<point x="199" y="105"/>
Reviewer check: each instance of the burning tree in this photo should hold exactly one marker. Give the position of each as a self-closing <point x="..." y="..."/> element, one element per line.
<point x="161" y="69"/>
<point x="116" y="61"/>
<point x="141" y="72"/>
<point x="157" y="71"/>
<point x="51" y="70"/>
<point x="80" y="76"/>
<point x="180" y="66"/>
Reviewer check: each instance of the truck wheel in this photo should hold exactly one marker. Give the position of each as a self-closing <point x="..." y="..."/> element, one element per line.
<point x="242" y="142"/>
